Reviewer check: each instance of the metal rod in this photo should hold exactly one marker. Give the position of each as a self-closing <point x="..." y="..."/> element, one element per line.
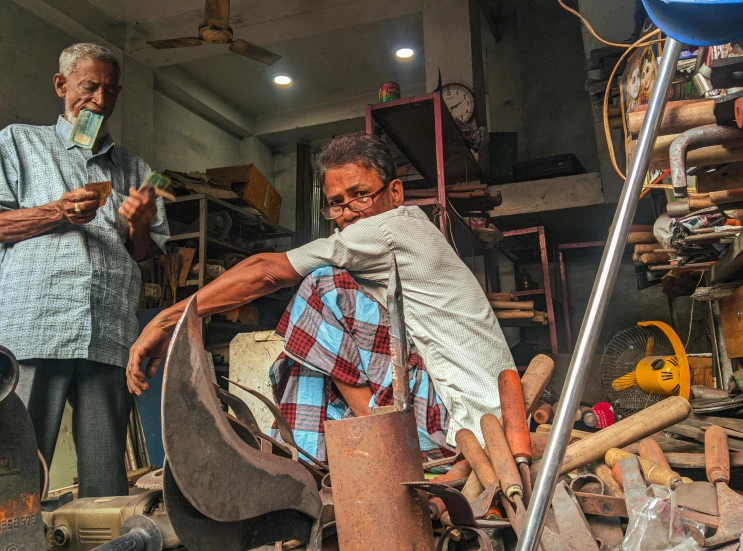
<point x="591" y="328"/>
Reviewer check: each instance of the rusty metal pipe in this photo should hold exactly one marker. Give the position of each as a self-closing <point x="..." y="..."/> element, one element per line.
<point x="701" y="136"/>
<point x="370" y="457"/>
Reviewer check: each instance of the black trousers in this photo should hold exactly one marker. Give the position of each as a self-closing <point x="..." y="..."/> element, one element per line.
<point x="100" y="402"/>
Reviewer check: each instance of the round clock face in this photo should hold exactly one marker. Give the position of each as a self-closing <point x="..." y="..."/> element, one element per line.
<point x="460" y="100"/>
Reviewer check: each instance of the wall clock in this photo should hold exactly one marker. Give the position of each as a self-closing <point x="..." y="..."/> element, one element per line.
<point x="460" y="100"/>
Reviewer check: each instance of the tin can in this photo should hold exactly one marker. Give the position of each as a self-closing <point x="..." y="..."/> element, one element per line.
<point x="389" y="91"/>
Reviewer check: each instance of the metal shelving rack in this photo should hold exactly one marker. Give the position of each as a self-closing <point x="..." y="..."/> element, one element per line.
<point x="546" y="290"/>
<point x="250" y="228"/>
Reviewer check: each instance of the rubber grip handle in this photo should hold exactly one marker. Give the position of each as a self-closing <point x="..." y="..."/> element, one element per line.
<point x="501" y="457"/>
<point x="717" y="454"/>
<point x="651" y="471"/>
<point x="650" y="449"/>
<point x="514" y="414"/>
<point x="478" y="460"/>
<point x="543" y="414"/>
<point x="536" y="378"/>
<point x="132" y="541"/>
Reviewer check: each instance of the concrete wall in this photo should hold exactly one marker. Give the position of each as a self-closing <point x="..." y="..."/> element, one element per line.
<point x="185" y="142"/>
<point x="285" y="182"/>
<point x="29" y="50"/>
<point x="534" y="79"/>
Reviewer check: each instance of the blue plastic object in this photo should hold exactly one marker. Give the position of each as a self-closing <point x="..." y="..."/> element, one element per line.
<point x="698" y="22"/>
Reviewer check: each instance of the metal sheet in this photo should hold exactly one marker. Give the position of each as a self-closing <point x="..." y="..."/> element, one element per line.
<point x="370" y="457"/>
<point x="199" y="533"/>
<point x="220" y="475"/>
<point x="571" y="523"/>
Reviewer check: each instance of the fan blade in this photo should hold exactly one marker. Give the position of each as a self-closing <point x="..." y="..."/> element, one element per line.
<point x="650" y="346"/>
<point x="217" y="13"/>
<point x="252" y="51"/>
<point x="185" y="42"/>
<point x="624" y="382"/>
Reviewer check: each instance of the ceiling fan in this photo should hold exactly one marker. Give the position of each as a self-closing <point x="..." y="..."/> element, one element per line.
<point x="216" y="30"/>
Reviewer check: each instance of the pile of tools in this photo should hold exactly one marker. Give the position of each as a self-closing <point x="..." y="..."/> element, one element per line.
<point x="617" y="487"/>
<point x="511" y="312"/>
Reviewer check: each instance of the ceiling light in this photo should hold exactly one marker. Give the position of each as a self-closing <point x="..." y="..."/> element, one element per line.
<point x="282" y="80"/>
<point x="404" y="53"/>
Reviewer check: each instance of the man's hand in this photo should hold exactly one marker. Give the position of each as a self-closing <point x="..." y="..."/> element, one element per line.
<point x="152" y="344"/>
<point x="139" y="207"/>
<point x="79" y="206"/>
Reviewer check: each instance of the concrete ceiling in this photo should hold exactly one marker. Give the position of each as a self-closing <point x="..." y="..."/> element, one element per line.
<point x="338" y="53"/>
<point x="326" y="67"/>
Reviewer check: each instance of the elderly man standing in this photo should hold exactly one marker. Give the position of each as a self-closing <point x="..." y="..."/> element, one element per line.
<point x="69" y="280"/>
<point x="336" y="360"/>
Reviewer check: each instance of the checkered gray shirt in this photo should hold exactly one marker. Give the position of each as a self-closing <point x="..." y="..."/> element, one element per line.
<point x="71" y="292"/>
<point x="449" y="320"/>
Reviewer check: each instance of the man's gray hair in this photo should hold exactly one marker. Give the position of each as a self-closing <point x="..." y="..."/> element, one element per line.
<point x="361" y="149"/>
<point x="72" y="54"/>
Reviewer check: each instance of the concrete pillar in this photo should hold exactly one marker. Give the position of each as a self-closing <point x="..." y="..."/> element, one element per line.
<point x="447" y="41"/>
<point x="136" y="109"/>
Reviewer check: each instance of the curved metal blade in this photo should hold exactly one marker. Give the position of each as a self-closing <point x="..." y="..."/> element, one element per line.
<point x="184" y="42"/>
<point x="253" y="51"/>
<point x="199" y="533"/>
<point x="219" y="474"/>
<point x="398" y="340"/>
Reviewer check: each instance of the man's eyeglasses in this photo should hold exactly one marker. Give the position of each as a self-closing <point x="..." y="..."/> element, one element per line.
<point x="331" y="212"/>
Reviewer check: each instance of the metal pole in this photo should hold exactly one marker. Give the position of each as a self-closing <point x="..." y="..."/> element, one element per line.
<point x="591" y="328"/>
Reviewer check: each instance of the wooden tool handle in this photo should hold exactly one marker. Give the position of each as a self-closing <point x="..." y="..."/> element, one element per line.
<point x="650" y="449"/>
<point x="460" y="469"/>
<point x="513" y="414"/>
<point x="500" y="456"/>
<point x="603" y="471"/>
<point x="726" y="196"/>
<point x="535" y="380"/>
<point x="472" y="450"/>
<point x="630" y="429"/>
<point x="543" y="414"/>
<point x="717" y="454"/>
<point x="652" y="471"/>
<point x="616" y="474"/>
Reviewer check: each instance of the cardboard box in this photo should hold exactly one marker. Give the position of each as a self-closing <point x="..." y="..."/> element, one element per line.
<point x="252" y="187"/>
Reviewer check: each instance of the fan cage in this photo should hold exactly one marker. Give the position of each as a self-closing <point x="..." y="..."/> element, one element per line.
<point x="621" y="356"/>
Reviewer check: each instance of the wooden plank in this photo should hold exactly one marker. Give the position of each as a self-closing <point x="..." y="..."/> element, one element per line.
<point x="734" y="424"/>
<point x="698" y="435"/>
<point x="514" y="314"/>
<point x="551" y="194"/>
<point x="731" y="316"/>
<point x="512" y="305"/>
<point x="732" y="433"/>
<point x="679" y="460"/>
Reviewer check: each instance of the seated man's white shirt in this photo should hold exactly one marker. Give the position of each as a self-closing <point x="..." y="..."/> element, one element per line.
<point x="449" y="320"/>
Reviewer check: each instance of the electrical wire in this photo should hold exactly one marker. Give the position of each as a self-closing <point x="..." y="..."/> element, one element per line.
<point x="605" y="112"/>
<point x="643" y="41"/>
<point x="691" y="314"/>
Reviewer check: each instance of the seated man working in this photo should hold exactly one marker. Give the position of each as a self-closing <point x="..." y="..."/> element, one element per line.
<point x="336" y="360"/>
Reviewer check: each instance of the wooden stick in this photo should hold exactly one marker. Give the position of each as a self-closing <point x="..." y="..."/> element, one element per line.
<point x="678" y="117"/>
<point x="642" y="237"/>
<point x="654" y="258"/>
<point x="642" y="248"/>
<point x="535" y="380"/>
<point x="501" y="296"/>
<point x="630" y="429"/>
<point x="507" y="305"/>
<point x="514" y="314"/>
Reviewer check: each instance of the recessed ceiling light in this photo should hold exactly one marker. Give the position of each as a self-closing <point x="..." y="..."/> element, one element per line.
<point x="404" y="53"/>
<point x="282" y="80"/>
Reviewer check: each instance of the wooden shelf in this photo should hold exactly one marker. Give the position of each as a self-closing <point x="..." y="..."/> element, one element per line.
<point x="528" y="293"/>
